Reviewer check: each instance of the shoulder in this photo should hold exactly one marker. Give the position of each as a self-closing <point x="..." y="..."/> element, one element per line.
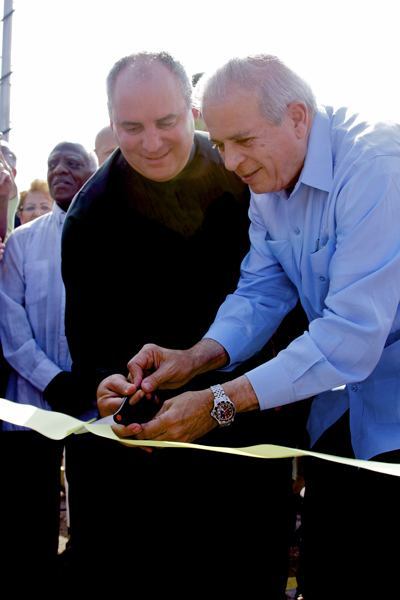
<point x="356" y="138"/>
<point x="96" y="190"/>
<point x="33" y="237"/>
<point x="33" y="228"/>
<point x="209" y="165"/>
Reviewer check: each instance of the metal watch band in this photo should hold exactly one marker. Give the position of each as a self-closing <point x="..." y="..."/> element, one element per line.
<point x="224" y="409"/>
<point x="217" y="390"/>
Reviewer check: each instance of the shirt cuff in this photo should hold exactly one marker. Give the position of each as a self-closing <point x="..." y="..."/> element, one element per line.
<point x="43" y="374"/>
<point x="229" y="341"/>
<point x="271" y="384"/>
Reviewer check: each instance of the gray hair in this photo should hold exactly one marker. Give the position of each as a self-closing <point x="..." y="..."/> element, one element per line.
<point x="276" y="84"/>
<point x="146" y="60"/>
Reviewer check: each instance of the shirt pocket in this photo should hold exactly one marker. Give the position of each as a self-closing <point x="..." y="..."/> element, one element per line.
<point x="316" y="276"/>
<point x="36" y="280"/>
<point x="282" y="251"/>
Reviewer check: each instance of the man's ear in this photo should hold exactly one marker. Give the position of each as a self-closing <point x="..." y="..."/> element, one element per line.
<point x="300" y="115"/>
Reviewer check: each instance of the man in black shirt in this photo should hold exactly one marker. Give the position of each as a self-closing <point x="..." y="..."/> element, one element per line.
<point x="151" y="247"/>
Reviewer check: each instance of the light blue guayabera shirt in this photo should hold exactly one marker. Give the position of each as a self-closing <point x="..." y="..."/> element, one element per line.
<point x="32" y="306"/>
<point x="335" y="243"/>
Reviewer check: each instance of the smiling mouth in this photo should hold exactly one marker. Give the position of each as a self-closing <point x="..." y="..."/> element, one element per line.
<point x="156" y="158"/>
<point x="248" y="176"/>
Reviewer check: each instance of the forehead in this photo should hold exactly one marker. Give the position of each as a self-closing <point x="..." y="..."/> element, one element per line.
<point x="234" y="112"/>
<point x="105" y="138"/>
<point x="142" y="94"/>
<point x="67" y="151"/>
<point x="37" y="197"/>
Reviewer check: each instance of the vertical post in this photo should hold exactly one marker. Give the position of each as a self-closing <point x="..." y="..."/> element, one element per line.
<point x="5" y="82"/>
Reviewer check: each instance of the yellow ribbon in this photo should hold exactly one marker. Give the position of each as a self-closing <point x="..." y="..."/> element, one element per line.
<point x="58" y="426"/>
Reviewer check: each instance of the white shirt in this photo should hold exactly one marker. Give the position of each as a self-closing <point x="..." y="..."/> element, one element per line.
<point x="32" y="306"/>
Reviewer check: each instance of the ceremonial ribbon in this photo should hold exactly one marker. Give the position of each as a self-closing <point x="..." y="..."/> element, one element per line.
<point x="58" y="426"/>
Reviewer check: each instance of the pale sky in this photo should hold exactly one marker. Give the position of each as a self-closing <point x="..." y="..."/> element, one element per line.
<point x="348" y="51"/>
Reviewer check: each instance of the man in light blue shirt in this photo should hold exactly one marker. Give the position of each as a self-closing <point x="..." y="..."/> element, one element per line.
<point x="325" y="213"/>
<point x="32" y="306"/>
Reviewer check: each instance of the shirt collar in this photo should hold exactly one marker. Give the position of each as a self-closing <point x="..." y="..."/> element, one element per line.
<point x="318" y="167"/>
<point x="59" y="213"/>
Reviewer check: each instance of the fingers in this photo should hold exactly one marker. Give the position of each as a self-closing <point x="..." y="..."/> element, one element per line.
<point x="152" y="430"/>
<point x="116" y="383"/>
<point x="108" y="406"/>
<point x="110" y="393"/>
<point x="146" y="360"/>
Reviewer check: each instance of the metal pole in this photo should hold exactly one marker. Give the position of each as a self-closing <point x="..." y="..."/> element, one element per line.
<point x="6" y="69"/>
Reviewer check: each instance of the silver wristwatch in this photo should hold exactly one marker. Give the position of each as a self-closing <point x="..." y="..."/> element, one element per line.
<point x="224" y="410"/>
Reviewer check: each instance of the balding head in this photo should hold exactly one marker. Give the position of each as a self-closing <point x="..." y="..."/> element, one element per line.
<point x="69" y="167"/>
<point x="105" y="143"/>
<point x="143" y="64"/>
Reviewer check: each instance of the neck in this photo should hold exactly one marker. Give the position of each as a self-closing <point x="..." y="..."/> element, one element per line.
<point x="64" y="204"/>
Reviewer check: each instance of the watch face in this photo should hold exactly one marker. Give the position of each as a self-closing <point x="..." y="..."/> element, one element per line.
<point x="224" y="411"/>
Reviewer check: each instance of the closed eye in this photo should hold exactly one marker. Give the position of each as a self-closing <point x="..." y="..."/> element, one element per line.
<point x="246" y="142"/>
<point x="132" y="128"/>
<point x="165" y="124"/>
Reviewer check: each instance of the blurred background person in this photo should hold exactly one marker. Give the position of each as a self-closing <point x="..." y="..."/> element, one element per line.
<point x="199" y="124"/>
<point x="8" y="189"/>
<point x="32" y="303"/>
<point x="104" y="144"/>
<point x="35" y="202"/>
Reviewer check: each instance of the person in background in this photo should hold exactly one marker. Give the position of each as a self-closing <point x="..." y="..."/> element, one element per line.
<point x="105" y="144"/>
<point x="199" y="124"/>
<point x="34" y="202"/>
<point x="175" y="227"/>
<point x="324" y="212"/>
<point x="8" y="192"/>
<point x="32" y="301"/>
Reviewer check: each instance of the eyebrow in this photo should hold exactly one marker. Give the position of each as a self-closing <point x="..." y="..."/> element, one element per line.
<point x="237" y="136"/>
<point x="69" y="156"/>
<point x="158" y="121"/>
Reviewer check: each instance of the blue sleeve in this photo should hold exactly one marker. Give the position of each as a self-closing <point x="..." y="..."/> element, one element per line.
<point x="360" y="307"/>
<point x="264" y="295"/>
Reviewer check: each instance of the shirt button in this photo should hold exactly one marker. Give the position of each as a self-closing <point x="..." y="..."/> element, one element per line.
<point x="296" y="230"/>
<point x="354" y="387"/>
<point x="322" y="278"/>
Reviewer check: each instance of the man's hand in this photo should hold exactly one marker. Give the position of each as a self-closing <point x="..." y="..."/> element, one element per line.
<point x="110" y="393"/>
<point x="7" y="185"/>
<point x="183" y="418"/>
<point x="156" y="367"/>
<point x="187" y="417"/>
<point x="8" y="189"/>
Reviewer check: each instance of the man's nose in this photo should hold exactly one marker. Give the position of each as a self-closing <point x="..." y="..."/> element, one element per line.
<point x="60" y="167"/>
<point x="151" y="141"/>
<point x="232" y="157"/>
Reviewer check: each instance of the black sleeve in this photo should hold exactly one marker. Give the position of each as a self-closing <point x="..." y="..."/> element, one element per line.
<point x="76" y="274"/>
<point x="66" y="394"/>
